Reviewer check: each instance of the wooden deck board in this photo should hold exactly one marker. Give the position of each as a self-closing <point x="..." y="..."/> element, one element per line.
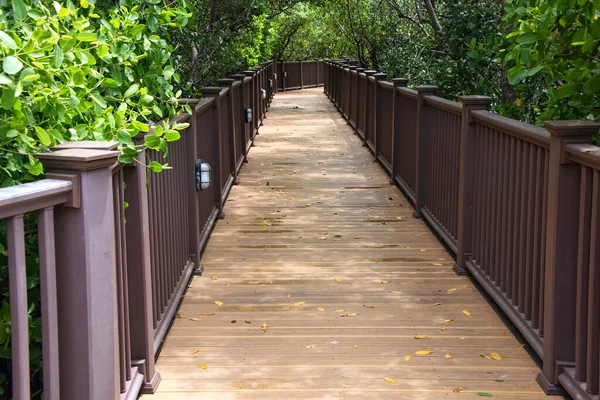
<point x="313" y="233"/>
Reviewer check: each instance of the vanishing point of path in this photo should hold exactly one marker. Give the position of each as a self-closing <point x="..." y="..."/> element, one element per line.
<point x="319" y="284"/>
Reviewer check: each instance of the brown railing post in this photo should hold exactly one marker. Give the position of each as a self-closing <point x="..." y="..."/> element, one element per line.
<point x="242" y="106"/>
<point x="228" y="83"/>
<point x="376" y="128"/>
<point x="86" y="277"/>
<point x="398" y="82"/>
<point x="561" y="249"/>
<point x="216" y="173"/>
<point x="301" y="75"/>
<point x="368" y="106"/>
<point x="465" y="179"/>
<point x="421" y="146"/>
<point x="253" y="105"/>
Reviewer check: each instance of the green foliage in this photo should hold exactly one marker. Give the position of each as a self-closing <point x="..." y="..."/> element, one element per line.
<point x="75" y="72"/>
<point x="556" y="42"/>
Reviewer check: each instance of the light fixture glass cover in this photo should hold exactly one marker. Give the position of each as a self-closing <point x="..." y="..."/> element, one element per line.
<point x="248" y="115"/>
<point x="203" y="175"/>
<point x="263" y="93"/>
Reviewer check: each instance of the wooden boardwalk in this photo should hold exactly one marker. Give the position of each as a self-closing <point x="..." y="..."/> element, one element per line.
<point x="319" y="284"/>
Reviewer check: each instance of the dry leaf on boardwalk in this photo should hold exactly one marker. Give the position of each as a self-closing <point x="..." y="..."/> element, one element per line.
<point x="203" y="366"/>
<point x="423" y="352"/>
<point x="355" y="346"/>
<point x="496" y="356"/>
<point x="407" y="357"/>
<point x="339" y="310"/>
<point x="443" y="328"/>
<point x="390" y="380"/>
<point x="338" y="279"/>
<point x="208" y="313"/>
<point x="299" y="303"/>
<point x="452" y="290"/>
<point x="467" y="313"/>
<point x="195" y="351"/>
<point x="458" y="390"/>
<point x="437" y="304"/>
<point x="214" y="277"/>
<point x="311" y="346"/>
<point x="366" y="306"/>
<point x="195" y="319"/>
<point x="448" y="320"/>
<point x="320" y="309"/>
<point x="219" y="303"/>
<point x="287" y="296"/>
<point x="448" y="356"/>
<point x="420" y="336"/>
<point x="384" y="282"/>
<point x="264" y="327"/>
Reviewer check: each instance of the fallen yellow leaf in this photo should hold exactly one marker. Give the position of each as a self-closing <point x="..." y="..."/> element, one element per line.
<point x="203" y="366"/>
<point x="384" y="282"/>
<point x="366" y="306"/>
<point x="496" y="356"/>
<point x="448" y="356"/>
<point x="357" y="237"/>
<point x="448" y="320"/>
<point x="423" y="352"/>
<point x="420" y="336"/>
<point x="228" y="284"/>
<point x="395" y="292"/>
<point x="213" y="277"/>
<point x="458" y="390"/>
<point x="355" y="346"/>
<point x="452" y="290"/>
<point x="178" y="315"/>
<point x="390" y="380"/>
<point x="195" y="351"/>
<point x="467" y="313"/>
<point x="311" y="346"/>
<point x="339" y="310"/>
<point x="320" y="309"/>
<point x="219" y="303"/>
<point x="443" y="328"/>
<point x="338" y="279"/>
<point x="438" y="264"/>
<point x="307" y="204"/>
<point x="287" y="296"/>
<point x="208" y="313"/>
<point x="437" y="304"/>
<point x="407" y="357"/>
<point x="399" y="218"/>
<point x="264" y="327"/>
<point x="196" y="319"/>
<point x="299" y="303"/>
<point x="354" y="314"/>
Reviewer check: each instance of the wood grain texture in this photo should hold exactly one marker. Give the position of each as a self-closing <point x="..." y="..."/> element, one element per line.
<point x="319" y="247"/>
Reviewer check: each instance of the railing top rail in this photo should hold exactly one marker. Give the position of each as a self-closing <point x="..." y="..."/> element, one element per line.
<point x="20" y="199"/>
<point x="444" y="104"/>
<point x="522" y="130"/>
<point x="204" y="104"/>
<point x="413" y="94"/>
<point x="386" y="85"/>
<point x="584" y="154"/>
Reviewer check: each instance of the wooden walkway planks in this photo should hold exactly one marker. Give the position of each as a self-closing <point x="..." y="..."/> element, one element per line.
<point x="315" y="232"/>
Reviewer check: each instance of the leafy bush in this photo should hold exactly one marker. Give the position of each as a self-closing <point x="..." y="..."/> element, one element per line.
<point x="78" y="72"/>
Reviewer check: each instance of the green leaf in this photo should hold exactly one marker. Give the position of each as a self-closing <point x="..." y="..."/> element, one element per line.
<point x="86" y="36"/>
<point x="155" y="166"/>
<point x="8" y="41"/>
<point x="19" y="10"/>
<point x="137" y="30"/>
<point x="12" y="65"/>
<point x="43" y="136"/>
<point x="4" y="80"/>
<point x="483" y="394"/>
<point x="110" y="83"/>
<point x="126" y="158"/>
<point x="98" y="99"/>
<point x="146" y="99"/>
<point x="535" y="70"/>
<point x="58" y="56"/>
<point x="153" y="142"/>
<point x="8" y="98"/>
<point x="172" y="135"/>
<point x="36" y="169"/>
<point x="131" y="91"/>
<point x="140" y="126"/>
<point x="516" y="74"/>
<point x="527" y="38"/>
<point x="592" y="86"/>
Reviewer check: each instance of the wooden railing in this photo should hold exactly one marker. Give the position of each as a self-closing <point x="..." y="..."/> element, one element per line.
<point x="118" y="245"/>
<point x="518" y="204"/>
<point x="299" y="74"/>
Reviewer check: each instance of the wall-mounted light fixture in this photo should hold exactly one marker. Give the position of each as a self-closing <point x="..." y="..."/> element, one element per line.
<point x="203" y="175"/>
<point x="247" y="115"/>
<point x="263" y="93"/>
<point x="274" y="76"/>
<point x="270" y="82"/>
<point x="285" y="74"/>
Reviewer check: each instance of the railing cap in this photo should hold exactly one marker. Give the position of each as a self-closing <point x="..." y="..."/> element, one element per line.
<point x="380" y="76"/>
<point x="78" y="159"/>
<point x="249" y="73"/>
<point x="211" y="90"/>
<point x="370" y="72"/>
<point x="360" y="69"/>
<point x="572" y="128"/>
<point x="402" y="82"/>
<point x="426" y="89"/>
<point x="226" y="81"/>
<point x="86" y="144"/>
<point x="475" y="100"/>
<point x="238" y="77"/>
